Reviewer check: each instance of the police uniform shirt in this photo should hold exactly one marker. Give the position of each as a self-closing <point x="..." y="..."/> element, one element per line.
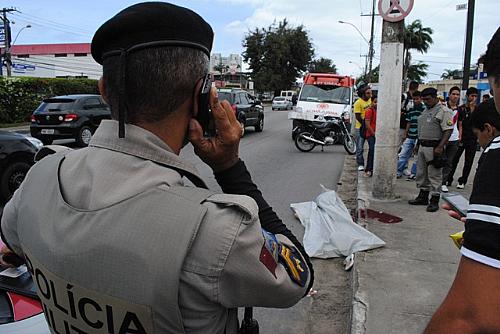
<point x="433" y="122"/>
<point x="224" y="268"/>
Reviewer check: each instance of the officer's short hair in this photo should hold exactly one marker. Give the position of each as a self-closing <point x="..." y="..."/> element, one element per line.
<point x="471" y="90"/>
<point x="454" y="88"/>
<point x="161" y="79"/>
<point x="416" y="93"/>
<point x="432" y="92"/>
<point x="413" y="85"/>
<point x="485" y="113"/>
<point x="491" y="59"/>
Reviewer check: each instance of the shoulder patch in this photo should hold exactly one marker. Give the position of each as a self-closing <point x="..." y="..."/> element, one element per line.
<point x="296" y="268"/>
<point x="270" y="252"/>
<point x="244" y="203"/>
<point x="449" y="122"/>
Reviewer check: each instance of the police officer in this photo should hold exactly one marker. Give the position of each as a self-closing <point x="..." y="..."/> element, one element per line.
<point x="115" y="238"/>
<point x="435" y="126"/>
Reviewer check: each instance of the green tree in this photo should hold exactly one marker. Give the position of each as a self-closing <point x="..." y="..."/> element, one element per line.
<point x="277" y="55"/>
<point x="416" y="37"/>
<point x="322" y="65"/>
<point x="374" y="76"/>
<point x="417" y="72"/>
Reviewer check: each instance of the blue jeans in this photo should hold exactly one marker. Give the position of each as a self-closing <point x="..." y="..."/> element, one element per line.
<point x="371" y="153"/>
<point x="405" y="154"/>
<point x="360" y="142"/>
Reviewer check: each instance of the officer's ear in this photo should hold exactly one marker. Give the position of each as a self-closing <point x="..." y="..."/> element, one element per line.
<point x="197" y="92"/>
<point x="102" y="89"/>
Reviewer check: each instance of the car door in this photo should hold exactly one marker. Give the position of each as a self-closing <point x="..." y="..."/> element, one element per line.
<point x="247" y="108"/>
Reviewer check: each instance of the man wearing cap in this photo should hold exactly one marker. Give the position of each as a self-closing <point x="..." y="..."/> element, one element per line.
<point x="117" y="241"/>
<point x="435" y="126"/>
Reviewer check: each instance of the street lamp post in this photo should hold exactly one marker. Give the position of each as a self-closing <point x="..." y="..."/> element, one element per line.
<point x="17" y="35"/>
<point x="370" y="50"/>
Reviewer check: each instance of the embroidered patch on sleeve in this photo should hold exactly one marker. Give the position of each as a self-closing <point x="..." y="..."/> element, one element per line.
<point x="269" y="252"/>
<point x="450" y="122"/>
<point x="296" y="268"/>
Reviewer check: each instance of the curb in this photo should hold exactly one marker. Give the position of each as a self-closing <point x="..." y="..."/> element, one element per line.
<point x="348" y="191"/>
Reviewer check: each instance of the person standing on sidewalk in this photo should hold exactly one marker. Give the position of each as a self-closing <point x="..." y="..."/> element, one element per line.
<point x="406" y="106"/>
<point x="370" y="123"/>
<point x="473" y="301"/>
<point x="364" y="102"/>
<point x="434" y="129"/>
<point x="451" y="148"/>
<point x="410" y="136"/>
<point x="468" y="141"/>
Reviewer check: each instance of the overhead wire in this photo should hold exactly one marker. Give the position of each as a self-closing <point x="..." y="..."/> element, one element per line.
<point x="59" y="67"/>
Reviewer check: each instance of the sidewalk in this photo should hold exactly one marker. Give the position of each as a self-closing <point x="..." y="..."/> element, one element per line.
<point x="397" y="288"/>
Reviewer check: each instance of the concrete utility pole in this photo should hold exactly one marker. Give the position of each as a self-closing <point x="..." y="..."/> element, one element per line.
<point x="468" y="44"/>
<point x="389" y="108"/>
<point x="6" y="28"/>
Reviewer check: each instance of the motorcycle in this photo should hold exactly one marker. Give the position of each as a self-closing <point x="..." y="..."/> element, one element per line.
<point x="324" y="131"/>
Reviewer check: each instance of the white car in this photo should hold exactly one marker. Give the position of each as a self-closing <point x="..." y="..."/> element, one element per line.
<point x="280" y="102"/>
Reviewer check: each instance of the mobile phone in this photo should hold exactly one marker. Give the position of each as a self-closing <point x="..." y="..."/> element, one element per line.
<point x="204" y="116"/>
<point x="458" y="203"/>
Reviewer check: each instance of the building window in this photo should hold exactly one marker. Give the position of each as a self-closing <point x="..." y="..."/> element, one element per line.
<point x="23" y="56"/>
<point x="80" y="55"/>
<point x="61" y="54"/>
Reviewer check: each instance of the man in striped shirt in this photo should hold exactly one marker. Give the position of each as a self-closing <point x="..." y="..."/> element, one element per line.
<point x="473" y="302"/>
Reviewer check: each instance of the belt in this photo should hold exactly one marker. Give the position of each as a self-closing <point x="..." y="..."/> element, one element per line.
<point x="429" y="143"/>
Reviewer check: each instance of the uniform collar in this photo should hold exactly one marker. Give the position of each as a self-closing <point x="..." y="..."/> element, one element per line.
<point x="143" y="144"/>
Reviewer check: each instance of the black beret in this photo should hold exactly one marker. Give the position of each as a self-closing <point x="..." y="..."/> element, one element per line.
<point x="429" y="91"/>
<point x="151" y="24"/>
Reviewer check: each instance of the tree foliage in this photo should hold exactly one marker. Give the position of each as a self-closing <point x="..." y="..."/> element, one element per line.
<point x="277" y="55"/>
<point x="417" y="72"/>
<point x="322" y="65"/>
<point x="416" y="37"/>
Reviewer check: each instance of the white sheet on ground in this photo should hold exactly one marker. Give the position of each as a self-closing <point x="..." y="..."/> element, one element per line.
<point x="329" y="228"/>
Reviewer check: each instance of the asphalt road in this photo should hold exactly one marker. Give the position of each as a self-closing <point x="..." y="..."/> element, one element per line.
<point x="286" y="175"/>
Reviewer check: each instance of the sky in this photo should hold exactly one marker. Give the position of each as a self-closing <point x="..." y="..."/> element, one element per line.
<point x="63" y="21"/>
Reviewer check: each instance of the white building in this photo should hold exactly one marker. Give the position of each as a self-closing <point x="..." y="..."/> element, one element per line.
<point x="232" y="64"/>
<point x="54" y="61"/>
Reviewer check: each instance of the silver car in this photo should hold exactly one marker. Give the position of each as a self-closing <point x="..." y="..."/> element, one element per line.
<point x="281" y="102"/>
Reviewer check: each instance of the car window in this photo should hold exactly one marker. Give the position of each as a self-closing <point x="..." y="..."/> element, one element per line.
<point x="244" y="99"/>
<point x="56" y="104"/>
<point x="251" y="99"/>
<point x="237" y="99"/>
<point x="225" y="96"/>
<point x="279" y="99"/>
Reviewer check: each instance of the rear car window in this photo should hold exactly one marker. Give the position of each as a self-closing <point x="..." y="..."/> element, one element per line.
<point x="56" y="105"/>
<point x="225" y="96"/>
<point x="279" y="99"/>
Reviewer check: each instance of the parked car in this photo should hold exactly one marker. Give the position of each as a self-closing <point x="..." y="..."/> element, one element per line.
<point x="70" y="116"/>
<point x="248" y="110"/>
<point x="280" y="102"/>
<point x="17" y="154"/>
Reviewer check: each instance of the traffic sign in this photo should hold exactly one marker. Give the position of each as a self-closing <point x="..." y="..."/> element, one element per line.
<point x="394" y="10"/>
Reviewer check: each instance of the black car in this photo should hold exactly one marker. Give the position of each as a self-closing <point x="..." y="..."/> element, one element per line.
<point x="248" y="110"/>
<point x="69" y="116"/>
<point x="17" y="154"/>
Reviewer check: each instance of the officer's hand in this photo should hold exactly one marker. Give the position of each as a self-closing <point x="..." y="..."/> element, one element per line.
<point x="9" y="259"/>
<point x="438" y="151"/>
<point x="219" y="152"/>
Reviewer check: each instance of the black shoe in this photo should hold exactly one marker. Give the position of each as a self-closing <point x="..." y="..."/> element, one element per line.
<point x="434" y="203"/>
<point x="422" y="198"/>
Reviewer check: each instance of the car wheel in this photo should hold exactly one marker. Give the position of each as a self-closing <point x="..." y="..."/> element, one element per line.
<point x="12" y="178"/>
<point x="84" y="136"/>
<point x="260" y="126"/>
<point x="46" y="141"/>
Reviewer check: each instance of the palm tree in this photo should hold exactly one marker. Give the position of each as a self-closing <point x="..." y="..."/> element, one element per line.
<point x="451" y="74"/>
<point x="416" y="37"/>
<point x="417" y="72"/>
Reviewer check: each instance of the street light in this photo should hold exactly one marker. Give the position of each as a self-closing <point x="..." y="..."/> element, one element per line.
<point x="359" y="31"/>
<point x="353" y="62"/>
<point x="25" y="27"/>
